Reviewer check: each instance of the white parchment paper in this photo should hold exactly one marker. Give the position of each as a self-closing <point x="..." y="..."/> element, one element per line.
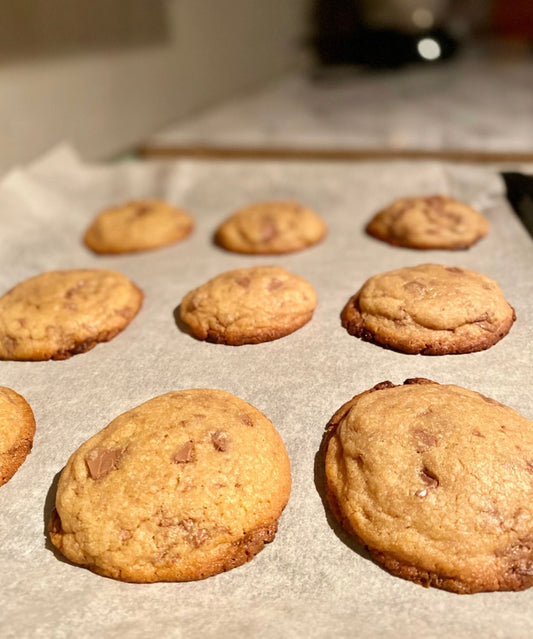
<point x="311" y="581"/>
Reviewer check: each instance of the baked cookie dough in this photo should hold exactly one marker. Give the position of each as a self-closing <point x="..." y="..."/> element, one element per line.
<point x="58" y="314"/>
<point x="17" y="428"/>
<point x="139" y="225"/>
<point x="271" y="228"/>
<point x="430" y="309"/>
<point x="248" y="306"/>
<point x="185" y="486"/>
<point x="437" y="482"/>
<point x="433" y="222"/>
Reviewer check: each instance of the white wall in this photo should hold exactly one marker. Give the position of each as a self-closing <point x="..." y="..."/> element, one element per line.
<point x="106" y="79"/>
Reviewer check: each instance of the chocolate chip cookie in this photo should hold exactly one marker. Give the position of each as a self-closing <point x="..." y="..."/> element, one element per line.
<point x="248" y="306"/>
<point x="430" y="309"/>
<point x="185" y="486"/>
<point x="433" y="222"/>
<point x="270" y="228"/>
<point x="58" y="314"/>
<point x="139" y="225"/>
<point x="17" y="427"/>
<point x="437" y="482"/>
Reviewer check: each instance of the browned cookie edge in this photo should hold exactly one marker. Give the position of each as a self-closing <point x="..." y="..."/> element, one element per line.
<point x="237" y="553"/>
<point x="374" y="230"/>
<point x="352" y="320"/>
<point x="257" y="337"/>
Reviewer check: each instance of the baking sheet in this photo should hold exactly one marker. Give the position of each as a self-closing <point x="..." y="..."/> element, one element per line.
<point x="311" y="581"/>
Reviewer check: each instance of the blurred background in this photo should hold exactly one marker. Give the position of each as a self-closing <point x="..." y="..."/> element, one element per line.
<point x="113" y="77"/>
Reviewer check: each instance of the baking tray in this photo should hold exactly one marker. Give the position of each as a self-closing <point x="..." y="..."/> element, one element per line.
<point x="311" y="581"/>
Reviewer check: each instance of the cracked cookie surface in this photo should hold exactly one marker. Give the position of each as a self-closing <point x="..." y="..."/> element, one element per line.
<point x="430" y="309"/>
<point x="270" y="228"/>
<point x="58" y="314"/>
<point x="182" y="487"/>
<point x="437" y="482"/>
<point x="432" y="222"/>
<point x="140" y="225"/>
<point x="249" y="306"/>
<point x="17" y="428"/>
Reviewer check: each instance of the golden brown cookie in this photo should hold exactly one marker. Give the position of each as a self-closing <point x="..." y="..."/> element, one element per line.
<point x="17" y="427"/>
<point x="430" y="309"/>
<point x="185" y="486"/>
<point x="437" y="482"/>
<point x="58" y="314"/>
<point x="139" y="225"/>
<point x="433" y="222"/>
<point x="271" y="228"/>
<point x="248" y="306"/>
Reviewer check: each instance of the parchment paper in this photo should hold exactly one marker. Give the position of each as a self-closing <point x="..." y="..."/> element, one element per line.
<point x="311" y="581"/>
<point x="476" y="102"/>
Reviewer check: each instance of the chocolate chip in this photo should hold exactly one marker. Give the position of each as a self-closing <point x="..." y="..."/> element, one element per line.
<point x="167" y="522"/>
<point x="418" y="380"/>
<point x="424" y="440"/>
<point x="74" y="290"/>
<point x="141" y="210"/>
<point x="185" y="454"/>
<point x="197" y="535"/>
<point x="246" y="419"/>
<point x="415" y="286"/>
<point x="243" y="281"/>
<point x="383" y="386"/>
<point x="435" y="201"/>
<point x="126" y="312"/>
<point x="520" y="556"/>
<point x="429" y="478"/>
<point x="101" y="461"/>
<point x="274" y="284"/>
<point x="10" y="344"/>
<point x="268" y="229"/>
<point x="220" y="440"/>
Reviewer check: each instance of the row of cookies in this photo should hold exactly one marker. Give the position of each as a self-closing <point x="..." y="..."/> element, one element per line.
<point x="205" y="491"/>
<point x="435" y="480"/>
<point x="277" y="227"/>
<point x="261" y="228"/>
<point x="430" y="308"/>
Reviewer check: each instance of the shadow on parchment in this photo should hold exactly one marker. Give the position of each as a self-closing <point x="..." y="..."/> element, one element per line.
<point x="49" y="506"/>
<point x="320" y="485"/>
